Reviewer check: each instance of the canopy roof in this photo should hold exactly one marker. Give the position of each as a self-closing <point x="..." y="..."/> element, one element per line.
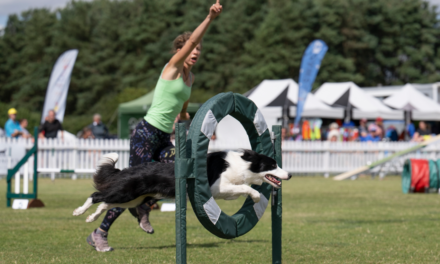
<point x="410" y="99"/>
<point x="284" y="93"/>
<point x="142" y="104"/>
<point x="348" y="94"/>
<point x="271" y="96"/>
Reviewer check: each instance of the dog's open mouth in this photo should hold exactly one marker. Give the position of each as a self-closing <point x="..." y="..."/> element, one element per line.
<point x="273" y="179"/>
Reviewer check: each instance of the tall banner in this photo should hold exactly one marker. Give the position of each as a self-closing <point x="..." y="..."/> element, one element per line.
<point x="58" y="87"/>
<point x="310" y="64"/>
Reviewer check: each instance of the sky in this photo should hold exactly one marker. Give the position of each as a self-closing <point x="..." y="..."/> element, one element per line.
<point x="17" y="6"/>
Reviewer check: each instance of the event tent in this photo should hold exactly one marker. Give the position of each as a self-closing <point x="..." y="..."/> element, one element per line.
<point x="349" y="96"/>
<point x="410" y="99"/>
<point x="281" y="93"/>
<point x="271" y="96"/>
<point x="130" y="113"/>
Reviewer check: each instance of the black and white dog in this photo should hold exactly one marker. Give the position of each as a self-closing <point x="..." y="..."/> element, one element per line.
<point x="230" y="175"/>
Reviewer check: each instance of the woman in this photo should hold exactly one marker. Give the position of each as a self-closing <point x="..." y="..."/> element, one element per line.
<point x="151" y="138"/>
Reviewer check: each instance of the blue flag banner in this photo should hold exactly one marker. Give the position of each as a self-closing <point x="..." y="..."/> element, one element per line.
<point x="310" y="65"/>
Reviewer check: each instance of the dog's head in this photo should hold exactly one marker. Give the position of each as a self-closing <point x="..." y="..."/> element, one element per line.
<point x="265" y="169"/>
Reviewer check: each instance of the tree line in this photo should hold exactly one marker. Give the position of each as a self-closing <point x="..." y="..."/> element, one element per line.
<point x="123" y="45"/>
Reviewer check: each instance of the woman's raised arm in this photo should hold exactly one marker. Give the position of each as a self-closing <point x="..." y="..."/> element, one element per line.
<point x="179" y="58"/>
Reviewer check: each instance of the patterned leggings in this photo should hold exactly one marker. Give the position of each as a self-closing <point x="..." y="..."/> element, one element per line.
<point x="147" y="143"/>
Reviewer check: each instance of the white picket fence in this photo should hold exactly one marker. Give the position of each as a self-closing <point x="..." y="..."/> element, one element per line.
<point x="301" y="158"/>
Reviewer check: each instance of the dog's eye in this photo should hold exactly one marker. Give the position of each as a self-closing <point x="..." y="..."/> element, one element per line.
<point x="274" y="166"/>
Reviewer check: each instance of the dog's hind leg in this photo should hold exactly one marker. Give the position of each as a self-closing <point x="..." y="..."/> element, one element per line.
<point x="101" y="208"/>
<point x="82" y="209"/>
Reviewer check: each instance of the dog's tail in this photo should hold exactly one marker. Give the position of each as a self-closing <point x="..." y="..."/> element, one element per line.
<point x="106" y="171"/>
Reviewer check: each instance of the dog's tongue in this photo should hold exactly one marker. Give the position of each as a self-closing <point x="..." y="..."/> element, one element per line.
<point x="272" y="179"/>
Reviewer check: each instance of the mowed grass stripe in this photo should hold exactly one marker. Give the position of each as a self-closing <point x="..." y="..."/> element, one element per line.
<point x="324" y="221"/>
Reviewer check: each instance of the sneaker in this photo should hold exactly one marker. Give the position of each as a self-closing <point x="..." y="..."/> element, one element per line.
<point x="98" y="240"/>
<point x="143" y="212"/>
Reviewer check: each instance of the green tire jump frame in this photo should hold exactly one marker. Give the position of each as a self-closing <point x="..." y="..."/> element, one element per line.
<point x="11" y="172"/>
<point x="191" y="173"/>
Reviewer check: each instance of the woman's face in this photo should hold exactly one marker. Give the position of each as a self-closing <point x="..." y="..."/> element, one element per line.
<point x="194" y="56"/>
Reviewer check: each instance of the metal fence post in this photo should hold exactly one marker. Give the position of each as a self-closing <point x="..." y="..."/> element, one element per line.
<point x="180" y="196"/>
<point x="35" y="177"/>
<point x="277" y="203"/>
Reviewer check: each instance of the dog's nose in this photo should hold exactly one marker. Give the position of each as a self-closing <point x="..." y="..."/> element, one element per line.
<point x="289" y="176"/>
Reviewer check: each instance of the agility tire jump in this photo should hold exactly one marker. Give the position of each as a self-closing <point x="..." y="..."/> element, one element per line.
<point x="191" y="172"/>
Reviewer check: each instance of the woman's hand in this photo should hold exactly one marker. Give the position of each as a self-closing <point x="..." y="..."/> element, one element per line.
<point x="183" y="116"/>
<point x="215" y="10"/>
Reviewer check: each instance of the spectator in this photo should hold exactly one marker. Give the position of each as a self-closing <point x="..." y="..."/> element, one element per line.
<point x="391" y="133"/>
<point x="12" y="127"/>
<point x="380" y="131"/>
<point x="363" y="126"/>
<point x="51" y="127"/>
<point x="25" y="132"/>
<point x="285" y="134"/>
<point x="333" y="135"/>
<point x="373" y="135"/>
<point x="98" y="129"/>
<point x="422" y="133"/>
<point x="87" y="133"/>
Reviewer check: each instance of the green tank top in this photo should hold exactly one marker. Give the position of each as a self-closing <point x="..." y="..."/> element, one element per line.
<point x="168" y="100"/>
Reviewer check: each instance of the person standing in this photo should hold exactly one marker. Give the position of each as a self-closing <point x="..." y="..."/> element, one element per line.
<point x="380" y="131"/>
<point x="99" y="130"/>
<point x="12" y="127"/>
<point x="422" y="133"/>
<point x="363" y="126"/>
<point x="25" y="132"/>
<point x="334" y="134"/>
<point x="51" y="127"/>
<point x="150" y="140"/>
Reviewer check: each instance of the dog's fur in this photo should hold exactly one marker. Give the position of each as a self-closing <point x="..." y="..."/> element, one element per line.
<point x="230" y="175"/>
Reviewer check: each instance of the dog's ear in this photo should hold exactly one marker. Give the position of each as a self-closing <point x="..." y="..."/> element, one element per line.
<point x="248" y="155"/>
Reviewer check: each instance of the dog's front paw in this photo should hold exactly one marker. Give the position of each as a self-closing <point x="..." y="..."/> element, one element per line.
<point x="255" y="196"/>
<point x="90" y="218"/>
<point x="78" y="211"/>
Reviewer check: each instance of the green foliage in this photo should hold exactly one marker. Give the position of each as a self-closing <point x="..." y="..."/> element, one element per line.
<point x="127" y="43"/>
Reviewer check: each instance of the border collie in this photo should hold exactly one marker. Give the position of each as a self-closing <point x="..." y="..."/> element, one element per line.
<point x="230" y="175"/>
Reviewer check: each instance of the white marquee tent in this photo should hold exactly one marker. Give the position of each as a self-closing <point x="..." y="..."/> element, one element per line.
<point x="271" y="96"/>
<point x="349" y="95"/>
<point x="410" y="99"/>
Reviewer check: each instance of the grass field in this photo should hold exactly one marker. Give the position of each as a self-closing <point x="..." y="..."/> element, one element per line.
<point x="324" y="221"/>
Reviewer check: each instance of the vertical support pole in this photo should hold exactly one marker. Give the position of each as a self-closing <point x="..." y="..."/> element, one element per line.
<point x="35" y="178"/>
<point x="277" y="202"/>
<point x="8" y="188"/>
<point x="8" y="179"/>
<point x="17" y="182"/>
<point x="26" y="178"/>
<point x="180" y="196"/>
